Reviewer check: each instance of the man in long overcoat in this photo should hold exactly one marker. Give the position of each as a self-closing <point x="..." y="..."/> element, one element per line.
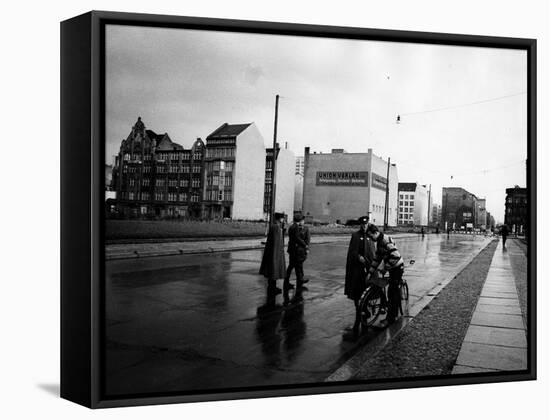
<point x="361" y="252"/>
<point x="273" y="261"/>
<point x="298" y="248"/>
<point x="504" y="234"/>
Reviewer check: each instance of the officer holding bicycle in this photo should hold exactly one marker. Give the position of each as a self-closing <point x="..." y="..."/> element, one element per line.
<point x="360" y="255"/>
<point x="387" y="252"/>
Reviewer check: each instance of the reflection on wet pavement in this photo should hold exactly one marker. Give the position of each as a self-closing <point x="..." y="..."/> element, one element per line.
<point x="202" y="322"/>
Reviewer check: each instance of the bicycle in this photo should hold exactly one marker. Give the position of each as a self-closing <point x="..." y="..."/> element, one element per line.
<point x="374" y="300"/>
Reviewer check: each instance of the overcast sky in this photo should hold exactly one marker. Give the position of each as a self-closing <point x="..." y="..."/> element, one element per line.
<point x="463" y="110"/>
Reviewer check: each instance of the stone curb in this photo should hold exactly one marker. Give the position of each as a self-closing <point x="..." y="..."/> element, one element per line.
<point x="209" y="250"/>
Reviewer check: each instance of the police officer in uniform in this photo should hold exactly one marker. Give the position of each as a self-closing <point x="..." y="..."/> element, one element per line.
<point x="361" y="252"/>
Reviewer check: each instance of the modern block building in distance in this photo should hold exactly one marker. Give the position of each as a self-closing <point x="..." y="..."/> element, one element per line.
<point x="462" y="210"/>
<point x="515" y="213"/>
<point x="341" y="186"/>
<point x="435" y="218"/>
<point x="299" y="184"/>
<point x="481" y="214"/>
<point x="413" y="204"/>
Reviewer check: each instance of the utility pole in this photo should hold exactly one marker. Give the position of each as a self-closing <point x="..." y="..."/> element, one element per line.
<point x="386" y="209"/>
<point x="274" y="162"/>
<point x="429" y="204"/>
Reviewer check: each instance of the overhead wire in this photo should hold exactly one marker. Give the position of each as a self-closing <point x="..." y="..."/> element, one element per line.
<point x="460" y="105"/>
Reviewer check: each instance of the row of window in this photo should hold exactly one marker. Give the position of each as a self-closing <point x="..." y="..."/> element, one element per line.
<point x="220" y="152"/>
<point x="218" y="195"/>
<point x="517" y="200"/>
<point x="210" y="142"/>
<point x="160" y="196"/>
<point x="163" y="156"/>
<point x="222" y="179"/>
<point x="195" y="182"/>
<point x="379" y="209"/>
<point x="219" y="165"/>
<point x="406" y="196"/>
<point x="406" y="203"/>
<point x="406" y="210"/>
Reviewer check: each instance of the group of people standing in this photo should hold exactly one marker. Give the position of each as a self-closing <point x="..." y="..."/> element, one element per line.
<point x="370" y="253"/>
<point x="273" y="264"/>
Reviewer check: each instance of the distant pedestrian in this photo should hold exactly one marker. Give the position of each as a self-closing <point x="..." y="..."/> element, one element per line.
<point x="361" y="252"/>
<point x="273" y="261"/>
<point x="422" y="231"/>
<point x="504" y="233"/>
<point x="387" y="252"/>
<point x="298" y="249"/>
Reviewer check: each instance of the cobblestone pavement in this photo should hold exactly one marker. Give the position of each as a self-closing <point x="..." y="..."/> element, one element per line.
<point x="430" y="343"/>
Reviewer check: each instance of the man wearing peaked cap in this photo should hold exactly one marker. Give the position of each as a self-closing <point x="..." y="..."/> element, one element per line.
<point x="361" y="252"/>
<point x="298" y="248"/>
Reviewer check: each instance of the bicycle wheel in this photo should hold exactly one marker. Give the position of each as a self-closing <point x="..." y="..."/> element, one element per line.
<point x="370" y="306"/>
<point x="404" y="290"/>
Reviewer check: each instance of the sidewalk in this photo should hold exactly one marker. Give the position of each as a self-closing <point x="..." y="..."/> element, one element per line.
<point x="125" y="251"/>
<point x="496" y="337"/>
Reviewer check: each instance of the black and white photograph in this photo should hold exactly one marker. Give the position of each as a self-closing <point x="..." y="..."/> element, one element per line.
<point x="275" y="210"/>
<point x="291" y="210"/>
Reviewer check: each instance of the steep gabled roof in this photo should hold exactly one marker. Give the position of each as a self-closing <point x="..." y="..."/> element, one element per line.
<point x="166" y="143"/>
<point x="228" y="130"/>
<point x="154" y="136"/>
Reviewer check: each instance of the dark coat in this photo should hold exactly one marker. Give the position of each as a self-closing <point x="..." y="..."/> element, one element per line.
<point x="273" y="261"/>
<point x="298" y="242"/>
<point x="360" y="244"/>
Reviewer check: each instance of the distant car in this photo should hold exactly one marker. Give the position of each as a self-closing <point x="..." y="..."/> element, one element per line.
<point x="352" y="222"/>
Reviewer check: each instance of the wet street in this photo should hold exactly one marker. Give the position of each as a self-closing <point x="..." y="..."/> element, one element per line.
<point x="200" y="322"/>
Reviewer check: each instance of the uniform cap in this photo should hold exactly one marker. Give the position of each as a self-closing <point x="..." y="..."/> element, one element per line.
<point x="363" y="219"/>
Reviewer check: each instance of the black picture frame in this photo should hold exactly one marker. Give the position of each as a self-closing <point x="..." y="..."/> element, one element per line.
<point x="82" y="205"/>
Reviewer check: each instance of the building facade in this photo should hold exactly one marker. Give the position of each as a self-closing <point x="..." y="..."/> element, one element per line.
<point x="515" y="213"/>
<point x="435" y="219"/>
<point x="300" y="165"/>
<point x="413" y="204"/>
<point x="228" y="176"/>
<point x="235" y="173"/>
<point x="481" y="214"/>
<point x="156" y="177"/>
<point x="461" y="209"/>
<point x="340" y="186"/>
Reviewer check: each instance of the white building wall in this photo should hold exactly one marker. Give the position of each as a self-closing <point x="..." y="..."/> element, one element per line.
<point x="332" y="203"/>
<point x="284" y="193"/>
<point x="379" y="167"/>
<point x="249" y="175"/>
<point x="329" y="203"/>
<point x="421" y="205"/>
<point x="298" y="191"/>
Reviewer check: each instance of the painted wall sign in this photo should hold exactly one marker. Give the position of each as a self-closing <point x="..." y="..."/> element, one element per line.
<point x="343" y="178"/>
<point x="379" y="182"/>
